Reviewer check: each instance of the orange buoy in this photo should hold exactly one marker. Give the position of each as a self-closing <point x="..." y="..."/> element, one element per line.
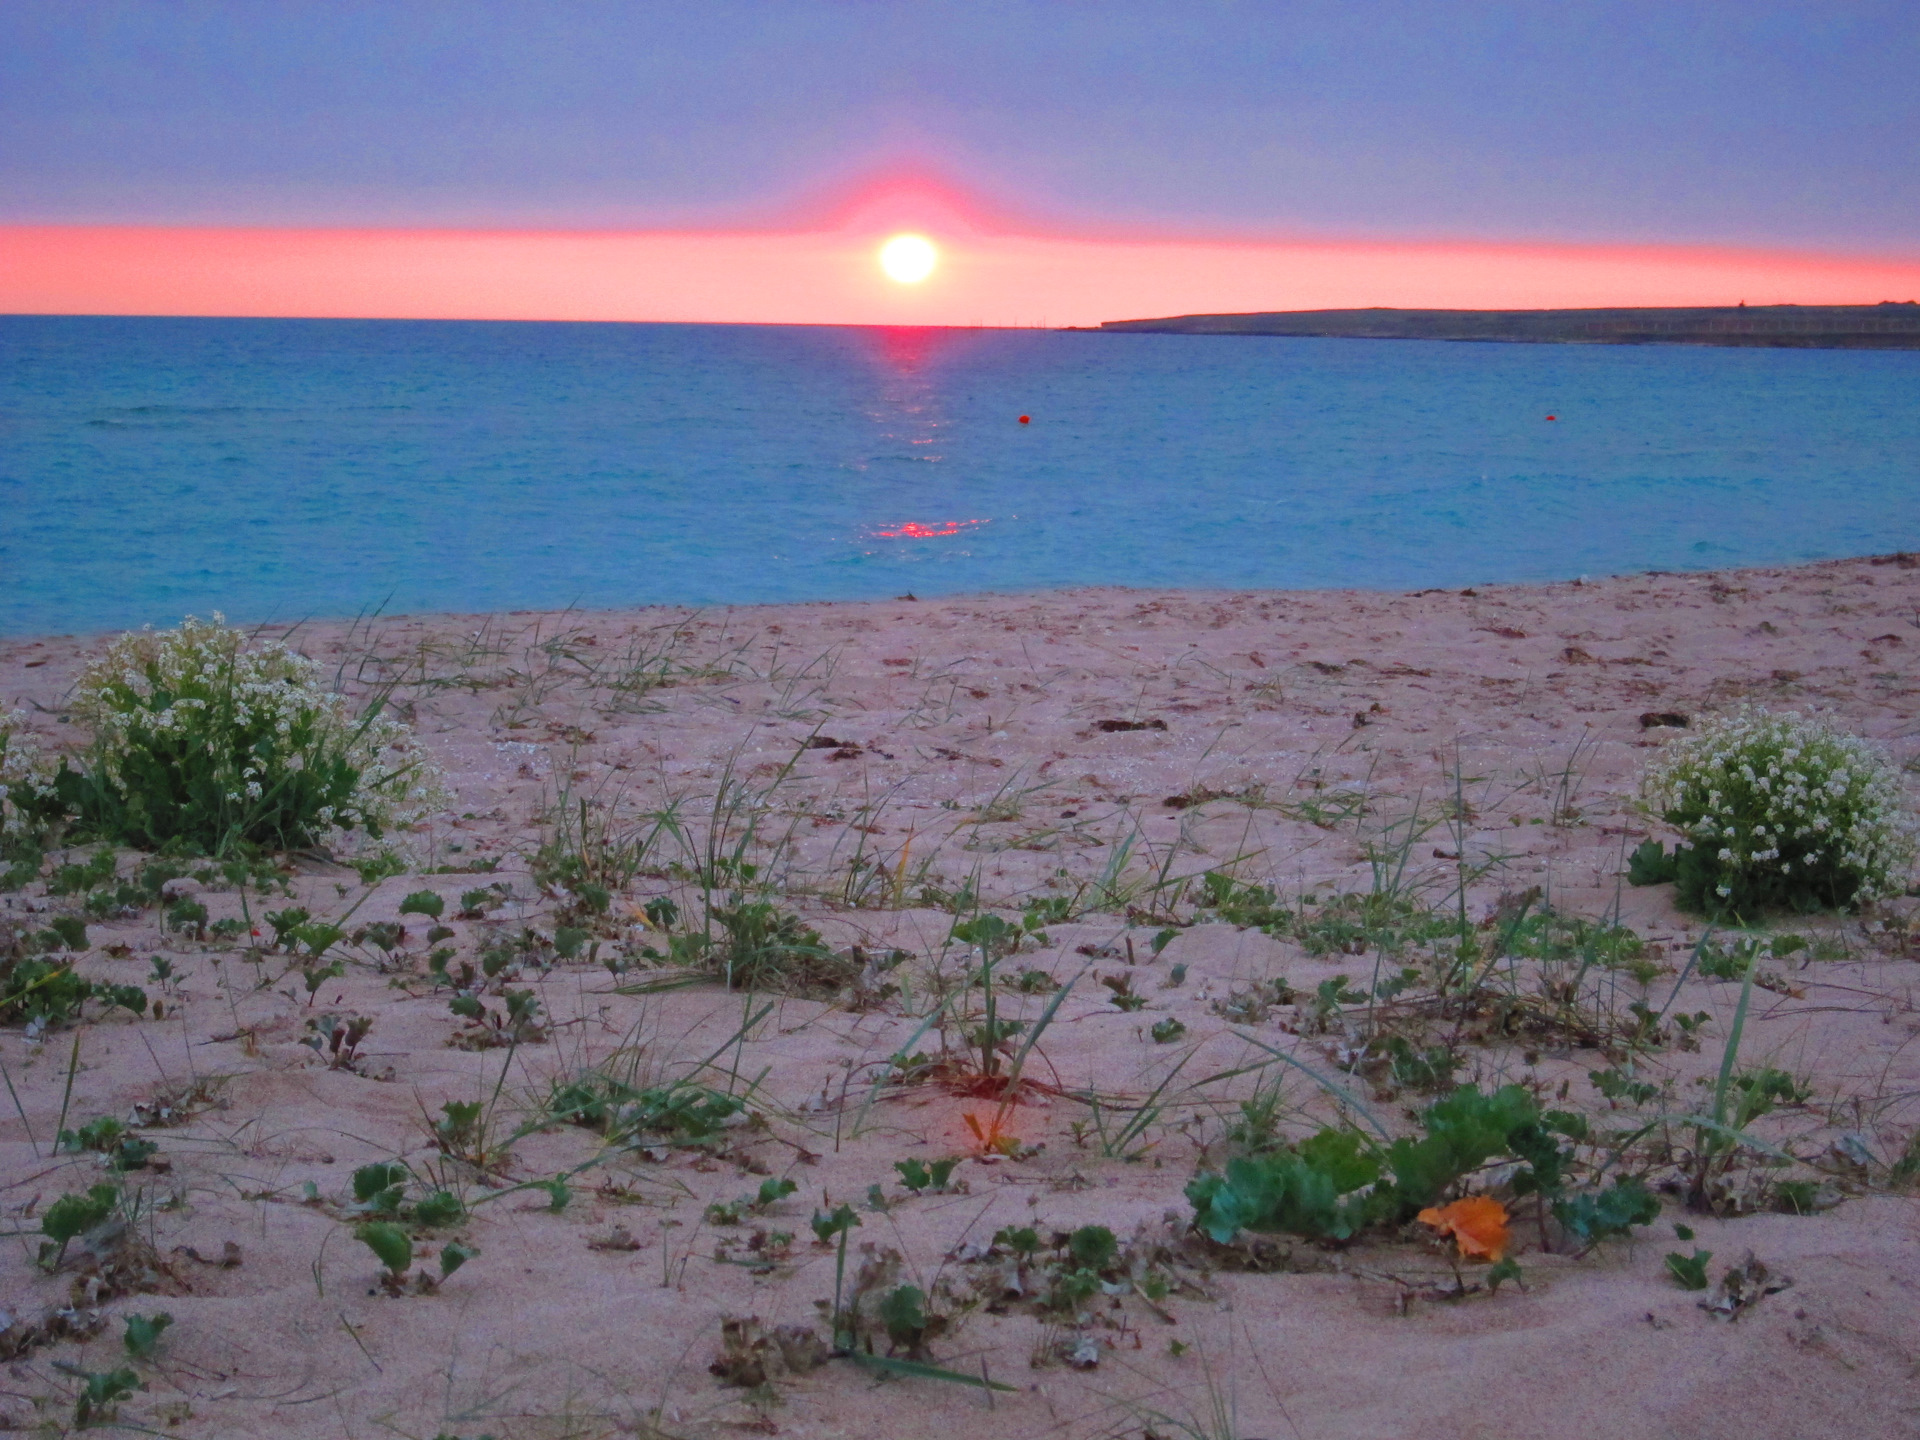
<point x="1025" y="419"/>
<point x="1553" y="417"/>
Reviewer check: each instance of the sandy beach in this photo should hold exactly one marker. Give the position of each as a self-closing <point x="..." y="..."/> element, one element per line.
<point x="1081" y="759"/>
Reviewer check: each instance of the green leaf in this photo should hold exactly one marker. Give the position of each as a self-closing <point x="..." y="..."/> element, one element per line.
<point x="915" y="1370"/>
<point x="913" y="1174"/>
<point x="1093" y="1247"/>
<point x="1689" y="1272"/>
<point x="442" y="1207"/>
<point x="389" y="1243"/>
<point x="1601" y="1215"/>
<point x="143" y="1334"/>
<point x="73" y="1215"/>
<point x="1651" y="865"/>
<point x="827" y="1225"/>
<point x="453" y="1255"/>
<point x="423" y="902"/>
<point x="902" y="1311"/>
<point x="773" y="1191"/>
<point x="381" y="1185"/>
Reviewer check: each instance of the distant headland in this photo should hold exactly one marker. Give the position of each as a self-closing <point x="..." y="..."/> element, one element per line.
<point x="1890" y="325"/>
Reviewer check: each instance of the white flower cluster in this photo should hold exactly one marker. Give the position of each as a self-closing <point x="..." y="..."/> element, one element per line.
<point x="1776" y="795"/>
<point x="24" y="774"/>
<point x="260" y="711"/>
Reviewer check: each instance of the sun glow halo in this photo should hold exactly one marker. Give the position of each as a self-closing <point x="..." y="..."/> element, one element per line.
<point x="909" y="259"/>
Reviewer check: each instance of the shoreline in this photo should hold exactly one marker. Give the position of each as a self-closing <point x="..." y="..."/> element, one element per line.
<point x="1896" y="559"/>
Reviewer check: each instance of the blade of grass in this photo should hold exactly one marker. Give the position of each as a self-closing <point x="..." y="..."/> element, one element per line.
<point x="1341" y="1096"/>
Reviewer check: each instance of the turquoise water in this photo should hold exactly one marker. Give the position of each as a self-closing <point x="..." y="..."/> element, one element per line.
<point x="277" y="469"/>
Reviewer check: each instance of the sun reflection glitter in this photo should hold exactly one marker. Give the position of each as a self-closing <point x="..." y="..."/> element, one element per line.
<point x="915" y="530"/>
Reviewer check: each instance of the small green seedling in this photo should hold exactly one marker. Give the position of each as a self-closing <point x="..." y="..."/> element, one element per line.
<point x="379" y="1188"/>
<point x="1093" y="1247"/>
<point x="338" y="1037"/>
<point x="1166" y="1031"/>
<point x="732" y="1212"/>
<point x="453" y="1255"/>
<point x="390" y="1245"/>
<point x="1503" y="1270"/>
<point x="826" y="1226"/>
<point x="72" y="1216"/>
<point x="143" y="1334"/>
<point x="100" y="1395"/>
<point x="286" y="925"/>
<point x="109" y="1137"/>
<point x="918" y="1175"/>
<point x="903" y="1312"/>
<point x="457" y="1130"/>
<point x="423" y="902"/>
<point x="314" y="976"/>
<point x="1689" y="1272"/>
<point x="440" y="1209"/>
<point x="772" y="1192"/>
<point x="1023" y="1241"/>
<point x="71" y="929"/>
<point x="188" y="915"/>
<point x="1604" y="1214"/>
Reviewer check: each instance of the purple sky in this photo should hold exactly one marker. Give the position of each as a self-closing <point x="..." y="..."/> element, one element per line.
<point x="1742" y="121"/>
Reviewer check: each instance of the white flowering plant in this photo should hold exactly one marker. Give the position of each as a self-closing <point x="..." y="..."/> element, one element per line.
<point x="1776" y="812"/>
<point x="29" y="808"/>
<point x="206" y="740"/>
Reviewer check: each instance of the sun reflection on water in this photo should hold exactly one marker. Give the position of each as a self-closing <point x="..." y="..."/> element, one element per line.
<point x="916" y="530"/>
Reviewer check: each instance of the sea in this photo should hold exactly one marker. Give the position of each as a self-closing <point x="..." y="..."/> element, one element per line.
<point x="280" y="470"/>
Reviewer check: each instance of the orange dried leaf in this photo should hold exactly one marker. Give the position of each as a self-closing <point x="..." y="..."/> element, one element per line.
<point x="1478" y="1225"/>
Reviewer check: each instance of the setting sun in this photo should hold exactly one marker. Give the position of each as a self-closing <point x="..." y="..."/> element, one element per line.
<point x="908" y="259"/>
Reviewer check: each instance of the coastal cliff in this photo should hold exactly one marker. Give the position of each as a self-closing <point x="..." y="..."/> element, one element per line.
<point x="1889" y="325"/>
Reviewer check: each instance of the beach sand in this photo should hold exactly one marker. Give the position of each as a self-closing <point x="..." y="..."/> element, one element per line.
<point x="1096" y="745"/>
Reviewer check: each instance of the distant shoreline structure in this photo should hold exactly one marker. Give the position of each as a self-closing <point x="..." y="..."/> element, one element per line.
<point x="1890" y="325"/>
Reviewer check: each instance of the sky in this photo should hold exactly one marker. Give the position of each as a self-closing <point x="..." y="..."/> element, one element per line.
<point x="588" y="159"/>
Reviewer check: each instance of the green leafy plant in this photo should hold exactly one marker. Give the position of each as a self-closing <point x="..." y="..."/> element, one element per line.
<point x="424" y="902"/>
<point x="761" y="947"/>
<point x="390" y="1244"/>
<point x="1776" y="812"/>
<point x="1604" y="1214"/>
<point x="831" y="1227"/>
<point x="903" y="1313"/>
<point x="1338" y="1182"/>
<point x="338" y="1038"/>
<point x="920" y="1175"/>
<point x="379" y="1188"/>
<point x="203" y="738"/>
<point x="1689" y="1272"/>
<point x="43" y="993"/>
<point x="142" y="1336"/>
<point x="100" y="1395"/>
<point x="1307" y="1191"/>
<point x="111" y="1138"/>
<point x="1238" y="903"/>
<point x="680" y="1113"/>
<point x="72" y="1216"/>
